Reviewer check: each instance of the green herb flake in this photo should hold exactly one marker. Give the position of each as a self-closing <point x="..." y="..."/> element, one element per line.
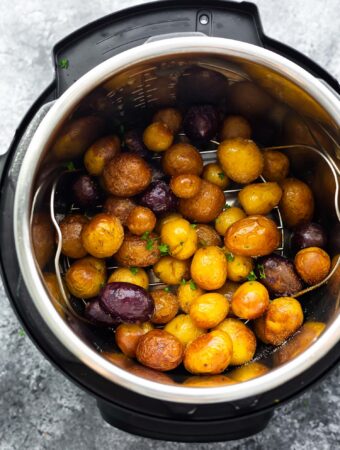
<point x="149" y="244"/>
<point x="221" y="175"/>
<point x="167" y="289"/>
<point x="70" y="166"/>
<point x="21" y="332"/>
<point x="134" y="270"/>
<point x="164" y="249"/>
<point x="251" y="276"/>
<point x="145" y="236"/>
<point x="193" y="286"/>
<point x="226" y="206"/>
<point x="230" y="257"/>
<point x="193" y="225"/>
<point x="183" y="282"/>
<point x="262" y="274"/>
<point x="64" y="63"/>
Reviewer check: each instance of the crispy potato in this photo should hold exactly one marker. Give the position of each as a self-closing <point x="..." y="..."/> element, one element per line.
<point x="127" y="336"/>
<point x="312" y="264"/>
<point x="119" y="207"/>
<point x="276" y="165"/>
<point x="170" y="270"/>
<point x="166" y="306"/>
<point x="171" y="117"/>
<point x="42" y="238"/>
<point x="207" y="235"/>
<point x="235" y="127"/>
<point x="252" y="236"/>
<point x="227" y="218"/>
<point x="158" y="137"/>
<point x="205" y="206"/>
<point x="140" y="220"/>
<point x="183" y="327"/>
<point x="134" y="275"/>
<point x="239" y="267"/>
<point x="250" y="300"/>
<point x="56" y="296"/>
<point x="248" y="372"/>
<point x="182" y="159"/>
<point x="100" y="153"/>
<point x="209" y="310"/>
<point x="186" y="295"/>
<point x="180" y="237"/>
<point x="165" y="219"/>
<point x="297" y="202"/>
<point x="213" y="173"/>
<point x="209" y="268"/>
<point x="159" y="350"/>
<point x="71" y="228"/>
<point x="86" y="277"/>
<point x="185" y="185"/>
<point x="126" y="175"/>
<point x="208" y="381"/>
<point x="260" y="198"/>
<point x="138" y="252"/>
<point x="208" y="354"/>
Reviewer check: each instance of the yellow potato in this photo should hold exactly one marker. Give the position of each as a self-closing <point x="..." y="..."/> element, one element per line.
<point x="134" y="275"/>
<point x="86" y="277"/>
<point x="157" y="137"/>
<point x="209" y="310"/>
<point x="276" y="165"/>
<point x="186" y="295"/>
<point x="239" y="267"/>
<point x="99" y="153"/>
<point x="165" y="219"/>
<point x="260" y="198"/>
<point x="209" y="268"/>
<point x="227" y="218"/>
<point x="183" y="327"/>
<point x="297" y="202"/>
<point x="181" y="238"/>
<point x="235" y="127"/>
<point x="170" y="270"/>
<point x="250" y="300"/>
<point x="248" y="372"/>
<point x="213" y="172"/>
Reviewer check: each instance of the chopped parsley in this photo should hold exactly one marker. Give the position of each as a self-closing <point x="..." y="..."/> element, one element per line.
<point x="262" y="274"/>
<point x="193" y="225"/>
<point x="221" y="175"/>
<point x="70" y="166"/>
<point x="226" y="206"/>
<point x="164" y="249"/>
<point x="64" y="63"/>
<point x="145" y="236"/>
<point x="193" y="286"/>
<point x="149" y="241"/>
<point x="183" y="282"/>
<point x="134" y="270"/>
<point x="251" y="276"/>
<point x="230" y="257"/>
<point x="167" y="289"/>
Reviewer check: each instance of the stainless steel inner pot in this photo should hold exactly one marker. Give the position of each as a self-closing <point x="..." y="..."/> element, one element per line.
<point x="305" y="110"/>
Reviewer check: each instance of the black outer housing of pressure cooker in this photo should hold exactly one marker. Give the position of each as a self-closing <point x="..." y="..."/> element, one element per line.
<point x="123" y="408"/>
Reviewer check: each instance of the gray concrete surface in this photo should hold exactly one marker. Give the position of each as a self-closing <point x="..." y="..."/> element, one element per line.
<point x="39" y="408"/>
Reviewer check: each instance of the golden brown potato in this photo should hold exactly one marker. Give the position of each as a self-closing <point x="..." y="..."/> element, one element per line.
<point x="208" y="310"/>
<point x="205" y="206"/>
<point x="171" y="117"/>
<point x="180" y="238"/>
<point x="183" y="327"/>
<point x="182" y="159"/>
<point x="247" y="99"/>
<point x="208" y="381"/>
<point x="241" y="159"/>
<point x="213" y="173"/>
<point x="166" y="306"/>
<point x="119" y="207"/>
<point x="100" y="153"/>
<point x="165" y="219"/>
<point x="102" y="235"/>
<point x="71" y="228"/>
<point x="227" y="218"/>
<point x="209" y="268"/>
<point x="185" y="185"/>
<point x="134" y="275"/>
<point x="276" y="165"/>
<point x="136" y="251"/>
<point x="248" y="372"/>
<point x="239" y="267"/>
<point x="56" y="296"/>
<point x="118" y="359"/>
<point x="159" y="350"/>
<point x="158" y="137"/>
<point x="235" y="127"/>
<point x="127" y="174"/>
<point x="208" y="354"/>
<point x="42" y="238"/>
<point x="312" y="264"/>
<point x="127" y="336"/>
<point x="186" y="295"/>
<point x="171" y="270"/>
<point x="250" y="300"/>
<point x="297" y="202"/>
<point x="252" y="236"/>
<point x="86" y="277"/>
<point x="260" y="198"/>
<point x="283" y="317"/>
<point x="243" y="339"/>
<point x="140" y="220"/>
<point x="207" y="235"/>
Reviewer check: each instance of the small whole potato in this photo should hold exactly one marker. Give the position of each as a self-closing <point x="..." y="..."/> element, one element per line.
<point x="43" y="238"/>
<point x="140" y="220"/>
<point x="213" y="173"/>
<point x="260" y="198"/>
<point x="276" y="165"/>
<point x="171" y="117"/>
<point x="227" y="218"/>
<point x="165" y="219"/>
<point x="185" y="185"/>
<point x="134" y="275"/>
<point x="250" y="300"/>
<point x="180" y="237"/>
<point x="166" y="306"/>
<point x="309" y="235"/>
<point x="312" y="264"/>
<point x="127" y="336"/>
<point x="208" y="381"/>
<point x="209" y="354"/>
<point x="240" y="159"/>
<point x="171" y="270"/>
<point x="99" y="153"/>
<point x="248" y="372"/>
<point x="86" y="277"/>
<point x="205" y="206"/>
<point x="159" y="198"/>
<point x="209" y="268"/>
<point x="252" y="236"/>
<point x="184" y="329"/>
<point x="56" y="296"/>
<point x="186" y="295"/>
<point x="209" y="310"/>
<point x="126" y="175"/>
<point x="207" y="236"/>
<point x="239" y="267"/>
<point x="243" y="339"/>
<point x="158" y="137"/>
<point x="71" y="228"/>
<point x="119" y="207"/>
<point x="235" y="127"/>
<point x="181" y="159"/>
<point x="297" y="202"/>
<point x="159" y="350"/>
<point x="136" y="251"/>
<point x="102" y="235"/>
<point x="283" y="317"/>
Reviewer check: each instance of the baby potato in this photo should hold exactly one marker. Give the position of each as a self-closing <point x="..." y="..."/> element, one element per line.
<point x="99" y="153"/>
<point x="183" y="327"/>
<point x="171" y="117"/>
<point x="207" y="236"/>
<point x="214" y="174"/>
<point x="43" y="238"/>
<point x="243" y="339"/>
<point x="71" y="228"/>
<point x="239" y="267"/>
<point x="241" y="159"/>
<point x="127" y="336"/>
<point x="181" y="159"/>
<point x="297" y="202"/>
<point x="134" y="275"/>
<point x="248" y="372"/>
<point x="136" y="251"/>
<point x="56" y="296"/>
<point x="185" y="185"/>
<point x="312" y="264"/>
<point x="140" y="220"/>
<point x="166" y="306"/>
<point x="165" y="219"/>
<point x="159" y="350"/>
<point x="126" y="175"/>
<point x="235" y="127"/>
<point x="209" y="354"/>
<point x="276" y="165"/>
<point x="208" y="381"/>
<point x="181" y="238"/>
<point x="283" y="317"/>
<point x="158" y="137"/>
<point x="186" y="295"/>
<point x="119" y="207"/>
<point x="260" y="198"/>
<point x="227" y="218"/>
<point x="250" y="300"/>
<point x="86" y="277"/>
<point x="171" y="270"/>
<point x="252" y="236"/>
<point x="209" y="310"/>
<point x="209" y="268"/>
<point x="102" y="235"/>
<point x="205" y="206"/>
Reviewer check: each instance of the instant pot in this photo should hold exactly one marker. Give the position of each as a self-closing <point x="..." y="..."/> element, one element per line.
<point x="124" y="66"/>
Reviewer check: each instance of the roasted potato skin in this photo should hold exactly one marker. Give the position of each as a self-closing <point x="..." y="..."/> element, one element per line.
<point x="134" y="252"/>
<point x="260" y="198"/>
<point x="276" y="166"/>
<point x="251" y="300"/>
<point x="184" y="329"/>
<point x="208" y="310"/>
<point x="42" y="238"/>
<point x="227" y="218"/>
<point x="127" y="336"/>
<point x="85" y="277"/>
<point x="185" y="185"/>
<point x="213" y="173"/>
<point x="180" y="237"/>
<point x="248" y="372"/>
<point x="209" y="268"/>
<point x="119" y="207"/>
<point x="133" y="275"/>
<point x="157" y="137"/>
<point x="312" y="264"/>
<point x="71" y="228"/>
<point x="171" y="270"/>
<point x="207" y="236"/>
<point x="186" y="295"/>
<point x="297" y="202"/>
<point x="166" y="306"/>
<point x="208" y="381"/>
<point x="141" y="220"/>
<point x="239" y="267"/>
<point x="172" y="117"/>
<point x="182" y="159"/>
<point x="235" y="127"/>
<point x="165" y="219"/>
<point x="99" y="153"/>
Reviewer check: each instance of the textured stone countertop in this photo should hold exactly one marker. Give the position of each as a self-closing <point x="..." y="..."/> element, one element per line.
<point x="39" y="407"/>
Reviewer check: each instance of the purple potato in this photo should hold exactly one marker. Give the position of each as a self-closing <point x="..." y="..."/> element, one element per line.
<point x="278" y="274"/>
<point x="85" y="191"/>
<point x="95" y="313"/>
<point x="201" y="123"/>
<point x="134" y="142"/>
<point x="126" y="302"/>
<point x="159" y="198"/>
<point x="308" y="235"/>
